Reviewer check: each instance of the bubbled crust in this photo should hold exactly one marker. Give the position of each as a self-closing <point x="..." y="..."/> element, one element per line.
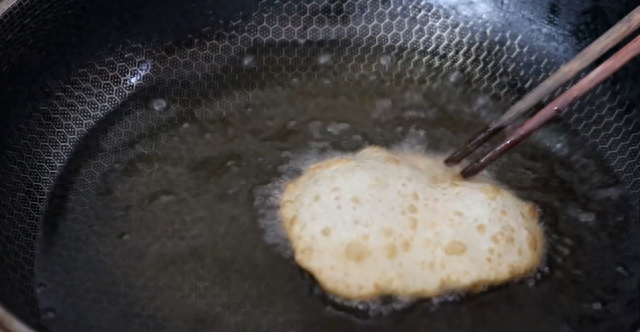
<point x="381" y="223"/>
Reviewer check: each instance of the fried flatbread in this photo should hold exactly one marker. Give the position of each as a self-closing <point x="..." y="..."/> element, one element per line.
<point x="381" y="223"/>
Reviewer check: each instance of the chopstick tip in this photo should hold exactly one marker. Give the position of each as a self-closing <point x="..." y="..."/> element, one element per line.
<point x="471" y="170"/>
<point x="451" y="161"/>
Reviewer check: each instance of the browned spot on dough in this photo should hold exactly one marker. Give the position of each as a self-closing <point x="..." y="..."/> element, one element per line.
<point x="379" y="183"/>
<point x="520" y="253"/>
<point x="290" y="186"/>
<point x="432" y="225"/>
<point x="373" y="150"/>
<point x="292" y="222"/>
<point x="532" y="242"/>
<point x="392" y="160"/>
<point x="326" y="231"/>
<point x="355" y="200"/>
<point x="481" y="228"/>
<point x="428" y="242"/>
<point x="415" y="196"/>
<point x="491" y="192"/>
<point x="412" y="208"/>
<point x="432" y="266"/>
<point x="391" y="250"/>
<point x="307" y="251"/>
<point x="458" y="213"/>
<point x="443" y="283"/>
<point x="532" y="212"/>
<point x="413" y="223"/>
<point x="503" y="213"/>
<point x="455" y="248"/>
<point x="406" y="245"/>
<point x="356" y="221"/>
<point x="495" y="238"/>
<point x="316" y="198"/>
<point x="339" y="207"/>
<point x="489" y="260"/>
<point x="492" y="251"/>
<point x="335" y="189"/>
<point x="365" y="237"/>
<point x="333" y="162"/>
<point x="387" y="232"/>
<point x="356" y="251"/>
<point x="510" y="240"/>
<point x="337" y="198"/>
<point x="385" y="282"/>
<point x="285" y="204"/>
<point x="456" y="177"/>
<point x="508" y="229"/>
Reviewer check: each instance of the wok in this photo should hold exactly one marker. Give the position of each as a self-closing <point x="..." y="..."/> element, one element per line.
<point x="144" y="143"/>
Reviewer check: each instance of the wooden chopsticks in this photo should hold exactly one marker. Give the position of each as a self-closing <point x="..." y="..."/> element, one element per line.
<point x="612" y="37"/>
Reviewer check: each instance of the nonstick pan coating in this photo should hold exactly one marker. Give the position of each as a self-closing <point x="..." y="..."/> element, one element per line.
<point x="136" y="187"/>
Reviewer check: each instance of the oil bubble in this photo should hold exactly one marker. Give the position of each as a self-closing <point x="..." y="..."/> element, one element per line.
<point x="324" y="59"/>
<point x="385" y="60"/>
<point x="124" y="236"/>
<point x="49" y="313"/>
<point x="248" y="60"/>
<point x="456" y="78"/>
<point x="337" y="128"/>
<point x="159" y="104"/>
<point x="40" y="287"/>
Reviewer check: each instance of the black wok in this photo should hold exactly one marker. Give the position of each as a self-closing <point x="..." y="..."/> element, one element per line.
<point x="143" y="142"/>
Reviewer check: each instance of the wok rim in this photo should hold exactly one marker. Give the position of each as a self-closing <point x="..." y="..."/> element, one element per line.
<point x="8" y="321"/>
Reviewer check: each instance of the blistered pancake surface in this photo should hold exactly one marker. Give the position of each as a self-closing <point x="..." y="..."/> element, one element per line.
<point x="382" y="223"/>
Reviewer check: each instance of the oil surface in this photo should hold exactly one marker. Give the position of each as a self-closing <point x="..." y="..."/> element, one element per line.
<point x="175" y="230"/>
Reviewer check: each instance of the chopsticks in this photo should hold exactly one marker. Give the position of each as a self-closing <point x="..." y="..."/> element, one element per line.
<point x="601" y="45"/>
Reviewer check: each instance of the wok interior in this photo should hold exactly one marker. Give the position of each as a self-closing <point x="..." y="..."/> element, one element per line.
<point x="168" y="155"/>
